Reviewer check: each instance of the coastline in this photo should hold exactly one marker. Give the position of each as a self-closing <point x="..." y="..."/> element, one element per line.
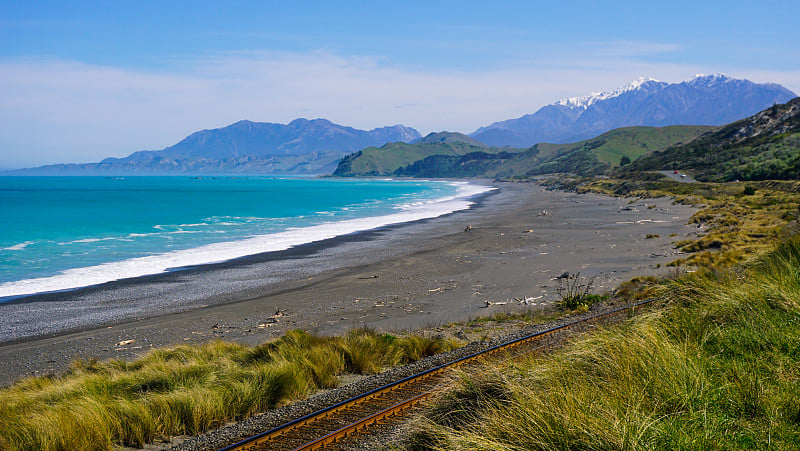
<point x="403" y="276"/>
<point x="106" y="264"/>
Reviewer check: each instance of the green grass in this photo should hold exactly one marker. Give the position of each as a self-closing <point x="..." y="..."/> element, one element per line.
<point x="188" y="389"/>
<point x="588" y="157"/>
<point x="763" y="146"/>
<point x="387" y="159"/>
<point x="596" y="155"/>
<point x="718" y="369"/>
<point x="632" y="142"/>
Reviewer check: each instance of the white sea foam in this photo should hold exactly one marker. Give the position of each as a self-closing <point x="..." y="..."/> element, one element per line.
<point x="90" y="240"/>
<point x="18" y="247"/>
<point x="219" y="252"/>
<point x="139" y="235"/>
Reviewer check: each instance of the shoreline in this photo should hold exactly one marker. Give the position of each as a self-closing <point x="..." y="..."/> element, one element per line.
<point x="402" y="276"/>
<point x="117" y="288"/>
<point x="230" y="249"/>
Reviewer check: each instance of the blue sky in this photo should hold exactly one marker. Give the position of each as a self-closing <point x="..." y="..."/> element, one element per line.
<point x="80" y="81"/>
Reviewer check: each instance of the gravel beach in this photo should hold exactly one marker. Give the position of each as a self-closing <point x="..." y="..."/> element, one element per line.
<point x="399" y="277"/>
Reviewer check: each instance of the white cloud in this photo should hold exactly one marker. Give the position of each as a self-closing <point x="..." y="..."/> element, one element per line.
<point x="55" y="111"/>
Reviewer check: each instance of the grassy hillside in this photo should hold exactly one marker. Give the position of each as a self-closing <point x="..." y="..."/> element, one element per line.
<point x="590" y="157"/>
<point x="599" y="155"/>
<point x="763" y="146"/>
<point x="473" y="164"/>
<point x="632" y="142"/>
<point x="449" y="138"/>
<point x="387" y="159"/>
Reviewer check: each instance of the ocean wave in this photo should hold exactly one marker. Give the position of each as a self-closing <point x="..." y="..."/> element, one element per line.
<point x="18" y="247"/>
<point x="225" y="251"/>
<point x="90" y="240"/>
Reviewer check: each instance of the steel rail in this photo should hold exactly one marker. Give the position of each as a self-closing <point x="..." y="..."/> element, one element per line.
<point x="258" y="440"/>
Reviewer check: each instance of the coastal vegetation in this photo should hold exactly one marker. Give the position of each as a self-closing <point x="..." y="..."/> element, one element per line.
<point x="761" y="147"/>
<point x="387" y="159"/>
<point x="189" y="389"/>
<point x="461" y="156"/>
<point x="620" y="379"/>
<point x="607" y="150"/>
<point x="718" y="367"/>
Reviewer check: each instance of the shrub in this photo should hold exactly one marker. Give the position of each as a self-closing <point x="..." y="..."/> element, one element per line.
<point x="574" y="292"/>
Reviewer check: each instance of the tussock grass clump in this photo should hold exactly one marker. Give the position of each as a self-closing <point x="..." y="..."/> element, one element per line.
<point x="575" y="292"/>
<point x="188" y="389"/>
<point x="719" y="368"/>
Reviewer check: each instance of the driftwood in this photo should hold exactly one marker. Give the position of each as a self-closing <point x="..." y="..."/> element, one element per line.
<point x="490" y="303"/>
<point x="272" y="320"/>
<point x="527" y="300"/>
<point x="523" y="301"/>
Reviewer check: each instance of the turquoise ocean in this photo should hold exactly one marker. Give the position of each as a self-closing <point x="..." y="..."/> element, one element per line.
<point x="61" y="233"/>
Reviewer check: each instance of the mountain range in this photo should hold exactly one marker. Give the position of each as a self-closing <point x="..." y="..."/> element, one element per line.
<point x="764" y="146"/>
<point x="316" y="146"/>
<point x="301" y="147"/>
<point x="703" y="100"/>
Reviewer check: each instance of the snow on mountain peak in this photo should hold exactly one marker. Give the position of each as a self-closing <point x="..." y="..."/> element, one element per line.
<point x="584" y="102"/>
<point x="636" y="83"/>
<point x="708" y="80"/>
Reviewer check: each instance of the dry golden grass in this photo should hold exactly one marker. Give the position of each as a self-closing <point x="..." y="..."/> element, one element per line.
<point x="188" y="389"/>
<point x="718" y="368"/>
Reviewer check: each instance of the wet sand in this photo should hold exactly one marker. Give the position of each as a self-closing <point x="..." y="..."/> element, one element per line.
<point x="394" y="278"/>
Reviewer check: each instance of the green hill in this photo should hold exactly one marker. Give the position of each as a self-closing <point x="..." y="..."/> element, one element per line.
<point x="598" y="155"/>
<point x="590" y="157"/>
<point x="389" y="158"/>
<point x="449" y="138"/>
<point x="763" y="146"/>
<point x="633" y="142"/>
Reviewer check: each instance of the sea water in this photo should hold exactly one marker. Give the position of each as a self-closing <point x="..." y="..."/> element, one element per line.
<point x="61" y="233"/>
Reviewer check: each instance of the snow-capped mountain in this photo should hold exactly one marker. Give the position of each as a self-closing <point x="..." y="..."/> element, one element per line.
<point x="703" y="100"/>
<point x="582" y="103"/>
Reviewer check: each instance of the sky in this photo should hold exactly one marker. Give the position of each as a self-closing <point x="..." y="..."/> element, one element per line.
<point x="81" y="81"/>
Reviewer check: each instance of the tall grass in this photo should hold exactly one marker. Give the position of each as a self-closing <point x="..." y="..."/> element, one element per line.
<point x="188" y="389"/>
<point x="718" y="369"/>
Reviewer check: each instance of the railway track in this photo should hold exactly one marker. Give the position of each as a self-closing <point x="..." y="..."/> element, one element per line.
<point x="326" y="428"/>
